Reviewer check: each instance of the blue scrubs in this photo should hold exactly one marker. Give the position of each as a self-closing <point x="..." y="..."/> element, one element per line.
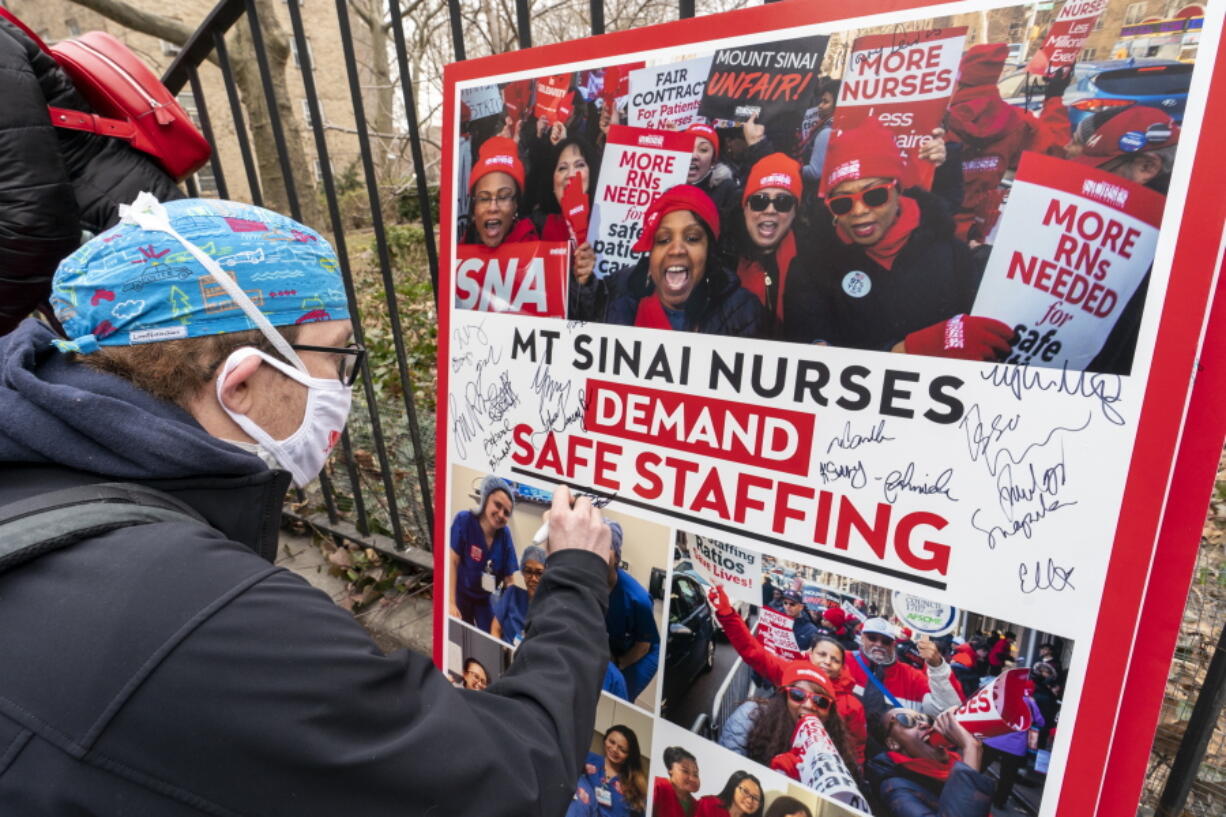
<point x="630" y="620"/>
<point x="511" y="610"/>
<point x="468" y="540"/>
<point x="603" y="795"/>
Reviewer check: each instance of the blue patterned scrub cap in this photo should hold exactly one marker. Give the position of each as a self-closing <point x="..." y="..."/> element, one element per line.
<point x="195" y="267"/>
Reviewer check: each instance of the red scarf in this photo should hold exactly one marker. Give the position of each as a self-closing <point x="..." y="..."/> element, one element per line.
<point x="926" y="767"/>
<point x="885" y="250"/>
<point x="650" y="314"/>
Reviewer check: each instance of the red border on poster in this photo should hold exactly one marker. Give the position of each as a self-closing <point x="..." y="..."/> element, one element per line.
<point x="1164" y="499"/>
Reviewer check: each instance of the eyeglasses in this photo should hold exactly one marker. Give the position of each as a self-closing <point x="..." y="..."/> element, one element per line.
<point x="350" y="363"/>
<point x="534" y="573"/>
<point x="801" y="695"/>
<point x="748" y="795"/>
<point x="783" y="202"/>
<point x="502" y="199"/>
<point x="910" y="720"/>
<point x="874" y="196"/>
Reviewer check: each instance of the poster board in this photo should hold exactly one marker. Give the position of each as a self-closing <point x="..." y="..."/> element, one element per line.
<point x="1007" y="507"/>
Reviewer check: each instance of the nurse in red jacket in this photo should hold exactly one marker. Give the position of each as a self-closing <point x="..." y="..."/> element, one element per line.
<point x="497" y="184"/>
<point x="674" y="795"/>
<point x="826" y="653"/>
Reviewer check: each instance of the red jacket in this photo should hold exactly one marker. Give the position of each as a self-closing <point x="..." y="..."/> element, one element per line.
<point x="964" y="655"/>
<point x="710" y="806"/>
<point x="1000" y="651"/>
<point x="665" y="802"/>
<point x="993" y="135"/>
<point x="906" y="683"/>
<point x="770" y="667"/>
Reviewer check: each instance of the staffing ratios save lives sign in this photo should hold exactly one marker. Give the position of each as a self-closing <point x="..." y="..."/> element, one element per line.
<point x="887" y="369"/>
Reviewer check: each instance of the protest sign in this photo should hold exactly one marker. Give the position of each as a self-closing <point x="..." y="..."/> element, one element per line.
<point x="666" y="97"/>
<point x="484" y="100"/>
<point x="949" y="494"/>
<point x="1074" y="245"/>
<point x="924" y="616"/>
<point x="551" y="93"/>
<point x="735" y="569"/>
<point x="1067" y="35"/>
<point x="820" y="767"/>
<point x="524" y="278"/>
<point x="638" y="165"/>
<point x="776" y="82"/>
<point x="774" y="630"/>
<point x="905" y="84"/>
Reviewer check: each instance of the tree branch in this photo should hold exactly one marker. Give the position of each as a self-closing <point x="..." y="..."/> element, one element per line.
<point x="128" y="16"/>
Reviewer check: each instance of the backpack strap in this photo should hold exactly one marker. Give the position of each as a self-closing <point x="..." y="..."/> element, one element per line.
<point x="32" y="527"/>
<point x="80" y="120"/>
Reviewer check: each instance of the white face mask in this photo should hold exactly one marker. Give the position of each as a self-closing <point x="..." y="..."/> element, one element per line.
<point x="304" y="452"/>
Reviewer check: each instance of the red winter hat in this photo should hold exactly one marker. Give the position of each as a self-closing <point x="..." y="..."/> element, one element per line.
<point x="776" y="170"/>
<point x="1133" y="130"/>
<point x="681" y="197"/>
<point x="982" y="64"/>
<point x="804" y="670"/>
<point x="866" y="151"/>
<point x="498" y="153"/>
<point x="835" y="616"/>
<point x="705" y="131"/>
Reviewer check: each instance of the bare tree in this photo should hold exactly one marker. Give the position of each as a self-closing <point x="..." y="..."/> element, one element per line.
<point x="247" y="77"/>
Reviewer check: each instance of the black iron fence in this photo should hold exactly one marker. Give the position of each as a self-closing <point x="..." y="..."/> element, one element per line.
<point x="378" y="490"/>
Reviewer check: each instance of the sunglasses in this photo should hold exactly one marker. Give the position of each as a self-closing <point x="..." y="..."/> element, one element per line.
<point x="874" y="196"/>
<point x="783" y="202"/>
<point x="801" y="695"/>
<point x="348" y="367"/>
<point x="911" y="720"/>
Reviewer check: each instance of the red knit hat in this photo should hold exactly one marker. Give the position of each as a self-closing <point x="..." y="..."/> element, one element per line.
<point x="866" y="151"/>
<point x="835" y="616"/>
<point x="1134" y="130"/>
<point x="776" y="170"/>
<point x="705" y="131"/>
<point x="681" y="197"/>
<point x="804" y="670"/>
<point x="982" y="64"/>
<point x="498" y="153"/>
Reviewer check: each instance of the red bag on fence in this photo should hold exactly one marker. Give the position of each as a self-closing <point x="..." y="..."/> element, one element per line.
<point x="131" y="103"/>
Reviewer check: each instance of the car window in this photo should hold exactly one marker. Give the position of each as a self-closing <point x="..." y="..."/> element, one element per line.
<point x="686" y="596"/>
<point x="1154" y="80"/>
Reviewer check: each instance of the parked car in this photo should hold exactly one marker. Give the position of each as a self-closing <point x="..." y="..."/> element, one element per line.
<point x="1103" y="85"/>
<point x="691" y="638"/>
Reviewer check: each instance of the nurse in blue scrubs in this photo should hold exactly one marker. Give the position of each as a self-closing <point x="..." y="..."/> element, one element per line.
<point x="482" y="553"/>
<point x="634" y="638"/>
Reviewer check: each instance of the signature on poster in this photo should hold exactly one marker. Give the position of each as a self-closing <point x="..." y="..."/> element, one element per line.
<point x="484" y="399"/>
<point x="1020" y="378"/>
<point x="561" y="404"/>
<point x="848" y="440"/>
<point x="831" y="471"/>
<point x="1044" y="577"/>
<point x="897" y="482"/>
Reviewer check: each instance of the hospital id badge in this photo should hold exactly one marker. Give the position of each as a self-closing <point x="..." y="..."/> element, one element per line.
<point x="604" y="797"/>
<point x="487" y="582"/>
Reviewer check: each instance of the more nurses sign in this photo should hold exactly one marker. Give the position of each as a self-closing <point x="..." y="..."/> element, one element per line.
<point x="1055" y="489"/>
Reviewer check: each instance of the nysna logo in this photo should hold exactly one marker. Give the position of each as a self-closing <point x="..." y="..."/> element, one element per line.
<point x="578" y="208"/>
<point x="501" y="285"/>
<point x="777" y="180"/>
<point x="651" y="140"/>
<point x="847" y="170"/>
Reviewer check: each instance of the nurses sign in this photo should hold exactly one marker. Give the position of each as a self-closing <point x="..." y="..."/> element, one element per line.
<point x="1074" y="246"/>
<point x="639" y="164"/>
<point x="905" y="84"/>
<point x="522" y="278"/>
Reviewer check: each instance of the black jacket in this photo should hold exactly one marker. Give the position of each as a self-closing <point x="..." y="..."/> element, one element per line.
<point x="718" y="305"/>
<point x="932" y="279"/>
<point x="170" y="669"/>
<point x="56" y="182"/>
